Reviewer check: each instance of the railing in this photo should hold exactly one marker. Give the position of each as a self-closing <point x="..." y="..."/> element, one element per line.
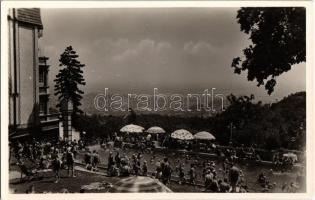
<point x="49" y="117"/>
<point x="49" y="121"/>
<point x="43" y="90"/>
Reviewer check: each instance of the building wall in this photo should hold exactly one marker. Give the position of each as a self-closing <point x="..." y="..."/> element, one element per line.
<point x="25" y="28"/>
<point x="11" y="70"/>
<point x="28" y="103"/>
<point x="24" y="25"/>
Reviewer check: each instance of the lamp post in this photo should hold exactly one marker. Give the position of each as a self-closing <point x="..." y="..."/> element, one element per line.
<point x="83" y="134"/>
<point x="231" y="126"/>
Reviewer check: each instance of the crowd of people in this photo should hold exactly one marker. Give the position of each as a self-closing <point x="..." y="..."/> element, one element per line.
<point x="35" y="155"/>
<point x="183" y="170"/>
<point x="165" y="171"/>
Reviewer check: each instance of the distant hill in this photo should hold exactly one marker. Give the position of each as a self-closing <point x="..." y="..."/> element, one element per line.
<point x="89" y="108"/>
<point x="270" y="126"/>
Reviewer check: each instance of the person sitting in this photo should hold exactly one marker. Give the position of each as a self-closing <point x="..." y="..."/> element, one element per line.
<point x="224" y="186"/>
<point x="115" y="171"/>
<point x="257" y="157"/>
<point x="275" y="158"/>
<point x="208" y="180"/>
<point x="31" y="189"/>
<point x="293" y="187"/>
<point x="214" y="186"/>
<point x="262" y="178"/>
<point x="243" y="189"/>
<point x="29" y="173"/>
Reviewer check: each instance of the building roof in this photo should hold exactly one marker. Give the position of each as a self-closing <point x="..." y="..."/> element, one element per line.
<point x="30" y="16"/>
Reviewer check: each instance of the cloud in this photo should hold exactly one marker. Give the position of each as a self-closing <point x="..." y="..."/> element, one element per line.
<point x="139" y="48"/>
<point x="146" y="49"/>
<point x="198" y="47"/>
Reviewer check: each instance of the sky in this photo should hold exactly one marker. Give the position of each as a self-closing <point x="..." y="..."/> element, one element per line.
<point x="173" y="49"/>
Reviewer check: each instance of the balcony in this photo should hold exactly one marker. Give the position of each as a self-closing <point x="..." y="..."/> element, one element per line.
<point x="49" y="121"/>
<point x="42" y="61"/>
<point x="49" y="117"/>
<point x="44" y="90"/>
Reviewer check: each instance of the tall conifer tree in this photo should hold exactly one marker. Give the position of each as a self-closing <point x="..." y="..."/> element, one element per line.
<point x="69" y="79"/>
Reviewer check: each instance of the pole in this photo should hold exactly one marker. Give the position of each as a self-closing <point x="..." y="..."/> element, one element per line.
<point x="231" y="132"/>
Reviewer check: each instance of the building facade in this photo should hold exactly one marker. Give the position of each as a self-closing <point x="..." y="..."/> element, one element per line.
<point x="28" y="77"/>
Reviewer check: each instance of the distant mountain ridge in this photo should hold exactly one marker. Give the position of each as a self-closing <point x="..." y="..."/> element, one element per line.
<point x="190" y="109"/>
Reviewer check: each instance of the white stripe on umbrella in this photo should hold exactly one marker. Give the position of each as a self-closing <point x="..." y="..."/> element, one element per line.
<point x="139" y="184"/>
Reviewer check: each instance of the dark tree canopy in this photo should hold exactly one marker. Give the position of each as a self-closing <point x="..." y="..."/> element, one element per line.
<point x="278" y="38"/>
<point x="69" y="79"/>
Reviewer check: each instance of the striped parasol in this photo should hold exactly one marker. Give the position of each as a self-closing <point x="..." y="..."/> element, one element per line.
<point x="139" y="184"/>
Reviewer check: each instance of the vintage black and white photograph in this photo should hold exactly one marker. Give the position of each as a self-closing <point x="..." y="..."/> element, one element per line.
<point x="156" y="99"/>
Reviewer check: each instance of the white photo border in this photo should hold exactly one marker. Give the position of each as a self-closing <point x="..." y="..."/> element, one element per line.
<point x="159" y="4"/>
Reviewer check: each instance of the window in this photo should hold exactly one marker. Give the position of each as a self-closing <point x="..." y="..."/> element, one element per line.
<point x="42" y="106"/>
<point x="41" y="76"/>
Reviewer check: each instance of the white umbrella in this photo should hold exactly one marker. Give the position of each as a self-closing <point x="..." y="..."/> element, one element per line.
<point x="131" y="128"/>
<point x="155" y="130"/>
<point x="204" y="135"/>
<point x="291" y="156"/>
<point x="182" y="134"/>
<point x="139" y="184"/>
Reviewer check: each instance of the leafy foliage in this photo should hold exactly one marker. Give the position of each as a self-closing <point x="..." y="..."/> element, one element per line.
<point x="270" y="126"/>
<point x="278" y="38"/>
<point x="69" y="79"/>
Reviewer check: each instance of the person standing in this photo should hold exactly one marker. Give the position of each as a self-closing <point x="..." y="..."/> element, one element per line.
<point x="117" y="159"/>
<point x="234" y="175"/>
<point x="167" y="172"/>
<point x="75" y="149"/>
<point x="144" y="168"/>
<point x="88" y="159"/>
<point x="95" y="160"/>
<point x="158" y="170"/>
<point x="192" y="175"/>
<point x="70" y="163"/>
<point x="110" y="161"/>
<point x="56" y="168"/>
<point x="181" y="174"/>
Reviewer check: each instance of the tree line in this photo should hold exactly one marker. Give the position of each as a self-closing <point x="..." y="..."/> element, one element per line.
<point x="269" y="126"/>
